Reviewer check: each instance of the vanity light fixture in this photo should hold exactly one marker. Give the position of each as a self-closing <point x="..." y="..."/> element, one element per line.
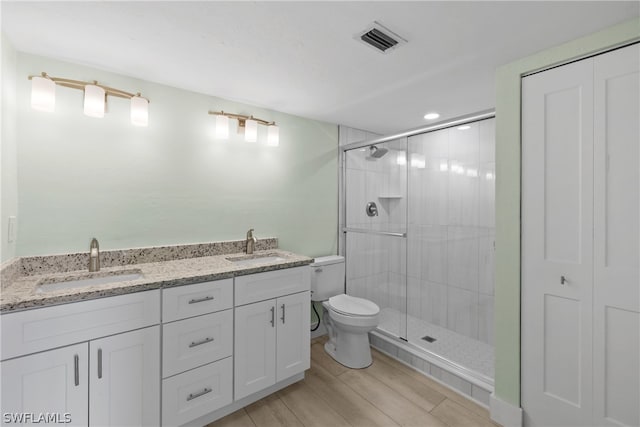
<point x="95" y="97"/>
<point x="222" y="127"/>
<point x="246" y="124"/>
<point x="43" y="94"/>
<point x="250" y="130"/>
<point x="94" y="101"/>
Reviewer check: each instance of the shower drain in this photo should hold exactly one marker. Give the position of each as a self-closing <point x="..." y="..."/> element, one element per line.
<point x="427" y="338"/>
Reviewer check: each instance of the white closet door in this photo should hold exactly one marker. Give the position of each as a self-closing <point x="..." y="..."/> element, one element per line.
<point x="616" y="238"/>
<point x="557" y="227"/>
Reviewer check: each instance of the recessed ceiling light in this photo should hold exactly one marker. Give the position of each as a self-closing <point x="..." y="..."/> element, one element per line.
<point x="464" y="127"/>
<point x="431" y="116"/>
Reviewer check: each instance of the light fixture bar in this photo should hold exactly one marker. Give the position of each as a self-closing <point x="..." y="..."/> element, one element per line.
<point x="242" y="118"/>
<point x="95" y="97"/>
<point x="79" y="84"/>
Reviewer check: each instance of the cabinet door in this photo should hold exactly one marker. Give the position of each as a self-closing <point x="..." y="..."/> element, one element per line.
<point x="53" y="382"/>
<point x="616" y="301"/>
<point x="125" y="379"/>
<point x="293" y="340"/>
<point x="255" y="347"/>
<point x="557" y="250"/>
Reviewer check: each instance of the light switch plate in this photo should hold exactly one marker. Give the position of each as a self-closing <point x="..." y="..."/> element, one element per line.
<point x="11" y="234"/>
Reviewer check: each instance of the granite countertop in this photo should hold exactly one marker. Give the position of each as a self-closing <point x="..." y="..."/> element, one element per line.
<point x="22" y="292"/>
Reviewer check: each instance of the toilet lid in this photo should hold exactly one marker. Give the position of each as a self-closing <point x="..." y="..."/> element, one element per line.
<point x="353" y="306"/>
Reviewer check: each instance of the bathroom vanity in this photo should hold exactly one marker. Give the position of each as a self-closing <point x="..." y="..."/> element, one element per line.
<point x="184" y="343"/>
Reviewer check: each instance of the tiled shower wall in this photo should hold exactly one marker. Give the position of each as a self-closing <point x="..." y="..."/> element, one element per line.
<point x="447" y="278"/>
<point x="376" y="264"/>
<point x="451" y="229"/>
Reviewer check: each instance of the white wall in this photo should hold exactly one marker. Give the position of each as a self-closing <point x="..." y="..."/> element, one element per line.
<point x="9" y="178"/>
<point x="171" y="182"/>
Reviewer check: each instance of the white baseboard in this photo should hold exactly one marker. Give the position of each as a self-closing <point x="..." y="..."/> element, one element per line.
<point x="504" y="413"/>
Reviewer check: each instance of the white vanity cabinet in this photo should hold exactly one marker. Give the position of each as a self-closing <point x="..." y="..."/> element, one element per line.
<point x="164" y="357"/>
<point x="197" y="348"/>
<point x="53" y="381"/>
<point x="123" y="379"/>
<point x="271" y="336"/>
<point x="97" y="380"/>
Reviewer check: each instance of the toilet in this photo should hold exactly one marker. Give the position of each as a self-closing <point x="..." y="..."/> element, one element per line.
<point x="348" y="319"/>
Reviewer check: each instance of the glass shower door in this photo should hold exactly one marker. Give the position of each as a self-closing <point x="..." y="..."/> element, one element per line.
<point x="376" y="226"/>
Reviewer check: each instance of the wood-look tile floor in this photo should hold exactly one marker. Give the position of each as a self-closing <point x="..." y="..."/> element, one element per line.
<point x="387" y="393"/>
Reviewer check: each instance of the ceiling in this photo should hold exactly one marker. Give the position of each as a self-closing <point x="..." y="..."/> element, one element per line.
<point x="304" y="58"/>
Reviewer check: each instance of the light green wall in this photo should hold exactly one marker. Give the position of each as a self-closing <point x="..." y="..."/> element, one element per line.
<point x="9" y="174"/>
<point x="172" y="182"/>
<point x="507" y="293"/>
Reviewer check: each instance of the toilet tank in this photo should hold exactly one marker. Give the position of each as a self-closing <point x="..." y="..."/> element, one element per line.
<point x="327" y="277"/>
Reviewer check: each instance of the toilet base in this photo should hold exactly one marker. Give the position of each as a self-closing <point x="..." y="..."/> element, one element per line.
<point x="349" y="349"/>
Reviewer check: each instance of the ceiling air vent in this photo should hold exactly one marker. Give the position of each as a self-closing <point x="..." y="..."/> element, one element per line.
<point x="380" y="38"/>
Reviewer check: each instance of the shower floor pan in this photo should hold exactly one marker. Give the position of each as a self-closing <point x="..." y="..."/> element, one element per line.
<point x="460" y="362"/>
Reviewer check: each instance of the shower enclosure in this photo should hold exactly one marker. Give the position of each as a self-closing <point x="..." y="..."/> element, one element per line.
<point x="419" y="241"/>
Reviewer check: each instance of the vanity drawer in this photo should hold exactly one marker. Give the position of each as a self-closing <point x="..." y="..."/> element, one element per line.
<point x="193" y="300"/>
<point x="190" y="343"/>
<point x="271" y="284"/>
<point x="195" y="393"/>
<point x="44" y="328"/>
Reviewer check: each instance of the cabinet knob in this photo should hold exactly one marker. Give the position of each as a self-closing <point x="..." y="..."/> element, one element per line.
<point x="563" y="280"/>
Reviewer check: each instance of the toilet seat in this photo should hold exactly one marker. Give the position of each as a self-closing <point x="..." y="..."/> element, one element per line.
<point x="353" y="306"/>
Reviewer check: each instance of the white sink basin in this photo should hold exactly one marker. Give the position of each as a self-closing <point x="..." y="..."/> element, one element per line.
<point x="250" y="260"/>
<point x="91" y="280"/>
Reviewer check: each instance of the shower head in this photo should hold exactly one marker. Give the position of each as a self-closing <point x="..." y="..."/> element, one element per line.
<point x="377" y="152"/>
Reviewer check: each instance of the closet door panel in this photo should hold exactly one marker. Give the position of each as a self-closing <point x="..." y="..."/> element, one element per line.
<point x="557" y="221"/>
<point x="617" y="237"/>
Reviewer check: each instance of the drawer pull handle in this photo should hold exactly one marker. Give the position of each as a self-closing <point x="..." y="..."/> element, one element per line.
<point x="273" y="316"/>
<point x="197" y="343"/>
<point x="99" y="363"/>
<point x="282" y="318"/>
<point x="76" y="368"/>
<point x="195" y="301"/>
<point x="196" y="395"/>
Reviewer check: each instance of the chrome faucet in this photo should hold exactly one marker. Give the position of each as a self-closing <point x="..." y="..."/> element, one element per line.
<point x="251" y="242"/>
<point x="94" y="255"/>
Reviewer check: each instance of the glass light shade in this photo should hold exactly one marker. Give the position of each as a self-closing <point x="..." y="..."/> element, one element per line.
<point x="43" y="94"/>
<point x="250" y="130"/>
<point x="222" y="127"/>
<point x="139" y="111"/>
<point x="94" y="101"/>
<point x="273" y="135"/>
